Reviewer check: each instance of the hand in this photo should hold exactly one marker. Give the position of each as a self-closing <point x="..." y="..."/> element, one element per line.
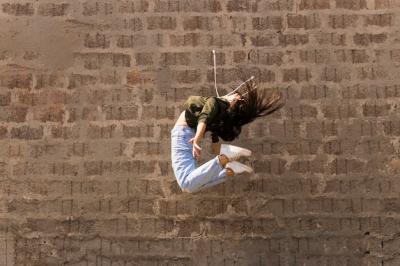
<point x="196" y="148"/>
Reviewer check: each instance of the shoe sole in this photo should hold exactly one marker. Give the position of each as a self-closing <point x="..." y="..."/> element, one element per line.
<point x="245" y="153"/>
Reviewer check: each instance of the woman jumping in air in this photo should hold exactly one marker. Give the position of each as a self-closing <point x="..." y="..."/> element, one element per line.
<point x="223" y="117"/>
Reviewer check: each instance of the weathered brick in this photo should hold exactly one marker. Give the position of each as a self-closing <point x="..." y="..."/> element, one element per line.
<point x="315" y="92"/>
<point x="19" y="81"/>
<point x="53" y="113"/>
<point x="5" y="99"/>
<point x="354" y="92"/>
<point x="13" y="114"/>
<point x="353" y="56"/>
<point x="186" y="76"/>
<point x="213" y="6"/>
<point x="143" y="131"/>
<point x="44" y="80"/>
<point x="262" y="58"/>
<point x="203" y="23"/>
<point x="287" y="129"/>
<point x="158" y="112"/>
<point x="267" y="23"/>
<point x="99" y="60"/>
<point x="78" y="80"/>
<point x="26" y="132"/>
<point x="98" y="8"/>
<point x="384" y="4"/>
<point x="304" y="147"/>
<point x="3" y="132"/>
<point x="380" y="20"/>
<point x="376" y="110"/>
<point x="136" y="77"/>
<point x="372" y="72"/>
<point x="346" y="166"/>
<point x="131" y="41"/>
<point x="334" y="74"/>
<point x="274" y="166"/>
<point x="144" y="59"/>
<point x="95" y="131"/>
<point x="129" y="7"/>
<point x="148" y="148"/>
<point x="391" y="91"/>
<point x="339" y="146"/>
<point x="113" y="77"/>
<point x="314" y="4"/>
<point x="224" y="39"/>
<point x="365" y="39"/>
<point x="330" y="38"/>
<point x="305" y="22"/>
<point x="161" y="23"/>
<point x="391" y="128"/>
<point x="314" y="56"/>
<point x="265" y="40"/>
<point x="188" y="39"/>
<point x="241" y="5"/>
<point x="321" y="129"/>
<point x="64" y="132"/>
<point x="167" y="59"/>
<point x="239" y="23"/>
<point x="133" y="24"/>
<point x="97" y="41"/>
<point x="293" y="39"/>
<point x="306" y="166"/>
<point x="340" y="111"/>
<point x="78" y="114"/>
<point x="351" y="4"/>
<point x="18" y="9"/>
<point x="343" y="21"/>
<point x="296" y="74"/>
<point x="301" y="111"/>
<point x="120" y="112"/>
<point x="53" y="10"/>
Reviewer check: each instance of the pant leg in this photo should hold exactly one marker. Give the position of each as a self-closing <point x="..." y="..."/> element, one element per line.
<point x="188" y="175"/>
<point x="222" y="178"/>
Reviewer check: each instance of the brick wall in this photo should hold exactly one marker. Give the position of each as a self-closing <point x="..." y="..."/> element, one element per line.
<point x="89" y="92"/>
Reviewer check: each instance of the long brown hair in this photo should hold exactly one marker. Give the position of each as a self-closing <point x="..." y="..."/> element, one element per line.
<point x="252" y="104"/>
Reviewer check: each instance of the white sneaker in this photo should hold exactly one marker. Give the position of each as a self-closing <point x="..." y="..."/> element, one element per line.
<point x="234" y="152"/>
<point x="238" y="168"/>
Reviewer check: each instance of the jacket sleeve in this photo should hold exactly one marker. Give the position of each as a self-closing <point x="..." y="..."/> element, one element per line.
<point x="209" y="111"/>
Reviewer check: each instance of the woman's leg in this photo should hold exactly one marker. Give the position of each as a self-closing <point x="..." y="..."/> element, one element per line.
<point x="228" y="173"/>
<point x="188" y="175"/>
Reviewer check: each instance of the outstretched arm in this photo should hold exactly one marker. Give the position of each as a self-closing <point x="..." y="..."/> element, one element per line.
<point x="201" y="129"/>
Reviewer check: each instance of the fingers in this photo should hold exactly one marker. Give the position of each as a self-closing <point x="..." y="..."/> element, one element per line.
<point x="196" y="152"/>
<point x="196" y="148"/>
<point x="196" y="145"/>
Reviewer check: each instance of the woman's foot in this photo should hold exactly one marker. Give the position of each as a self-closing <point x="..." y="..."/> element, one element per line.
<point x="238" y="168"/>
<point x="234" y="152"/>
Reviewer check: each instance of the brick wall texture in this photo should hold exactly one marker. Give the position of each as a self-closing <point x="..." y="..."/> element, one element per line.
<point x="89" y="91"/>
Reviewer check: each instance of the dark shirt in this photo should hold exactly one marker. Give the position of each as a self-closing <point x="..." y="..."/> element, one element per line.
<point x="209" y="110"/>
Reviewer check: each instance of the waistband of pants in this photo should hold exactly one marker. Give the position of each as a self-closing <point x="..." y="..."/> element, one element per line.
<point x="183" y="128"/>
